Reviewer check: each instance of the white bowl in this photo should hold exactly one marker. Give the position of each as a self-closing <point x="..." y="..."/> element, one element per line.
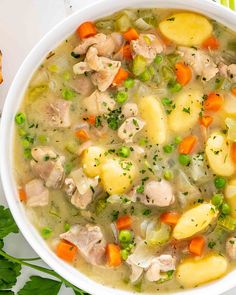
<point x="15" y="95"/>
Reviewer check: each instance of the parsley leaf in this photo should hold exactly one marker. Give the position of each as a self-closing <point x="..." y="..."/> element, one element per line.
<point x="79" y="293"/>
<point x="6" y="292"/>
<point x="7" y="223"/>
<point x="9" y="271"/>
<point x="40" y="286"/>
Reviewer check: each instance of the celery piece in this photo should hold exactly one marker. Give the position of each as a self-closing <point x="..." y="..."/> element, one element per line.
<point x="231" y="45"/>
<point x="66" y="76"/>
<point x="37" y="91"/>
<point x="107" y="25"/>
<point x="46" y="232"/>
<point x="123" y="23"/>
<point x="71" y="147"/>
<point x="145" y="76"/>
<point x="139" y="65"/>
<point x="68" y="94"/>
<point x="227" y="222"/>
<point x="158" y="235"/>
<point x="172" y="58"/>
<point x="68" y="167"/>
<point x="167" y="73"/>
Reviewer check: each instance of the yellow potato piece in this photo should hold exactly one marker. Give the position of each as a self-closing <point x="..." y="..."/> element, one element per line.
<point x="92" y="159"/>
<point x="192" y="272"/>
<point x="194" y="220"/>
<point x="151" y="111"/>
<point x="218" y="152"/>
<point x="187" y="29"/>
<point x="230" y="195"/>
<point x="186" y="113"/>
<point x="117" y="175"/>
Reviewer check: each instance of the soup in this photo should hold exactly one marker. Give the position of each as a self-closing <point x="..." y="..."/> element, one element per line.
<point x="125" y="152"/>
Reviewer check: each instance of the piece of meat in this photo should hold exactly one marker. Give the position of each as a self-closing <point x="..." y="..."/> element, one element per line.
<point x="99" y="103"/>
<point x="201" y="63"/>
<point x="81" y="68"/>
<point x="48" y="165"/>
<point x="1" y="78"/>
<point x="130" y="109"/>
<point x="136" y="271"/>
<point x="153" y="272"/>
<point x="37" y="194"/>
<point x="58" y="113"/>
<point x="118" y="39"/>
<point x="231" y="247"/>
<point x="82" y="85"/>
<point x="84" y="45"/>
<point x="130" y="128"/>
<point x="228" y="71"/>
<point x="81" y="188"/>
<point x="148" y="46"/>
<point x="158" y="193"/>
<point x="90" y="241"/>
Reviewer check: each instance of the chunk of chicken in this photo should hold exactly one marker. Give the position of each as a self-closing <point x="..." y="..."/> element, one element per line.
<point x="231" y="247"/>
<point x="99" y="103"/>
<point x="130" y="128"/>
<point x="37" y="194"/>
<point x="130" y="109"/>
<point x="228" y="71"/>
<point x="201" y="63"/>
<point x="48" y="165"/>
<point x="90" y="241"/>
<point x="148" y="46"/>
<point x="58" y="113"/>
<point x="81" y="188"/>
<point x="158" y="193"/>
<point x="84" y="45"/>
<point x="82" y="85"/>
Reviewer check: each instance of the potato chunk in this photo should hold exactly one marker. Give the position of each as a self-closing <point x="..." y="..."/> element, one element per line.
<point x="92" y="159"/>
<point x="194" y="220"/>
<point x="186" y="113"/>
<point x="218" y="152"/>
<point x="154" y="116"/>
<point x="117" y="175"/>
<point x="230" y="195"/>
<point x="186" y="28"/>
<point x="192" y="272"/>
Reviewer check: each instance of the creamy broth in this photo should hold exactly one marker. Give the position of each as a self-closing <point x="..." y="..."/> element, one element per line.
<point x="144" y="156"/>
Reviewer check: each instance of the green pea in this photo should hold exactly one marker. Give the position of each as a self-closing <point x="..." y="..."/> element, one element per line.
<point x="219" y="182"/>
<point x="25" y="143"/>
<point x="125" y="236"/>
<point x="124" y="254"/>
<point x="20" y="118"/>
<point x="184" y="160"/>
<point x="158" y="59"/>
<point x="226" y="209"/>
<point x="121" y="96"/>
<point x="174" y="87"/>
<point x="66" y="76"/>
<point x="27" y="153"/>
<point x="129" y="83"/>
<point x="166" y="101"/>
<point x="22" y="132"/>
<point x="168" y="174"/>
<point x="217" y="200"/>
<point x="68" y="94"/>
<point x="53" y="68"/>
<point x="177" y="140"/>
<point x="168" y="148"/>
<point x="145" y="76"/>
<point x="67" y="226"/>
<point x="42" y="138"/>
<point x="124" y="152"/>
<point x="46" y="232"/>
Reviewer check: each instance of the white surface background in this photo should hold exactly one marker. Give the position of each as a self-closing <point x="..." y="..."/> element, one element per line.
<point x="22" y="24"/>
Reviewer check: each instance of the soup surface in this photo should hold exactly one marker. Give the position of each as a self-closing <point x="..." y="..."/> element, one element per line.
<point x="125" y="152"/>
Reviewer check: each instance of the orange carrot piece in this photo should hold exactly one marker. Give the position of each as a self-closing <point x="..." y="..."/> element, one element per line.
<point x="82" y="134"/>
<point x="124" y="222"/>
<point x="170" y="217"/>
<point x="233" y="90"/>
<point x="113" y="255"/>
<point x="187" y="144"/>
<point x="22" y="195"/>
<point x="92" y="119"/>
<point x="183" y="73"/>
<point x="205" y="121"/>
<point x="127" y="52"/>
<point x="211" y="43"/>
<point x="120" y="76"/>
<point x="233" y="154"/>
<point x="131" y="34"/>
<point x="213" y="102"/>
<point x="196" y="245"/>
<point x="66" y="251"/>
<point x="86" y="29"/>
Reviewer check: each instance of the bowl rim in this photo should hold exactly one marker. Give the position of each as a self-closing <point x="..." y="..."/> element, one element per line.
<point x="56" y="35"/>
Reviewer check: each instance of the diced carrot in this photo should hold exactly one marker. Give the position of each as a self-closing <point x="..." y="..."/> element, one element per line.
<point x="233" y="90"/>
<point x="127" y="52"/>
<point x="66" y="250"/>
<point x="86" y="29"/>
<point x="187" y="144"/>
<point x="131" y="34"/>
<point x="196" y="245"/>
<point x="92" y="119"/>
<point x="213" y="102"/>
<point x="183" y="73"/>
<point x="170" y="217"/>
<point x="234" y="152"/>
<point x="113" y="255"/>
<point x="124" y="222"/>
<point x="22" y="195"/>
<point x="82" y="134"/>
<point x="211" y="43"/>
<point x="205" y="121"/>
<point x="120" y="76"/>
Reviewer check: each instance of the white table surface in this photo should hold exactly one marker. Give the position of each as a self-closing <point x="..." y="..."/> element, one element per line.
<point x="22" y="24"/>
